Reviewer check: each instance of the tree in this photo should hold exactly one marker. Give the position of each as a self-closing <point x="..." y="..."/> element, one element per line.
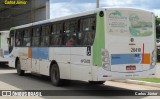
<point x="157" y="27"/>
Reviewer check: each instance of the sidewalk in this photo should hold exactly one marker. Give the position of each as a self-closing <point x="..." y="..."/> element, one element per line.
<point x="158" y="70"/>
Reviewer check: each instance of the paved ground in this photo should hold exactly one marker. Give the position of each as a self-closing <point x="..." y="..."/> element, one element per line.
<point x="9" y="80"/>
<point x="158" y="70"/>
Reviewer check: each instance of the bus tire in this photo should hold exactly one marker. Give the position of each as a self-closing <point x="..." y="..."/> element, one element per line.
<point x="19" y="71"/>
<point x="96" y="82"/>
<point x="55" y="75"/>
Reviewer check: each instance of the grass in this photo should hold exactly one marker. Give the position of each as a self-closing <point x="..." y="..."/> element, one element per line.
<point x="155" y="80"/>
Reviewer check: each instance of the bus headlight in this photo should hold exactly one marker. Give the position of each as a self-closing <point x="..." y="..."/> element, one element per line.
<point x="106" y="66"/>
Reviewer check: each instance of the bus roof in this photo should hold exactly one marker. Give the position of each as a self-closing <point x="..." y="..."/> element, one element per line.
<point x="73" y="16"/>
<point x="4" y="31"/>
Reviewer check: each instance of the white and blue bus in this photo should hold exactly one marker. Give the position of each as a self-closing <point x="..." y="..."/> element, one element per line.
<point x="4" y="51"/>
<point x="94" y="46"/>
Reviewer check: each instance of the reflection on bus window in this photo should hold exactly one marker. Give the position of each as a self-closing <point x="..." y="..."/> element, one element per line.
<point x="45" y="41"/>
<point x="35" y="41"/>
<point x="55" y="40"/>
<point x="26" y="41"/>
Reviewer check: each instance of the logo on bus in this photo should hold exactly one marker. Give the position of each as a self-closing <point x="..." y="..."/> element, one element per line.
<point x="85" y="61"/>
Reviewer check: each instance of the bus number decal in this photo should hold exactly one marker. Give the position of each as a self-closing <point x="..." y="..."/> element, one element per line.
<point x="85" y="61"/>
<point x="135" y="49"/>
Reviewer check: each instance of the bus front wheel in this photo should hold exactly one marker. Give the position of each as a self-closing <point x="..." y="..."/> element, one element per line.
<point x="55" y="75"/>
<point x="19" y="71"/>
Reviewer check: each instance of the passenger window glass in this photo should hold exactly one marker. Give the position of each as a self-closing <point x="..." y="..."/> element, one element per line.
<point x="54" y="31"/>
<point x="36" y="31"/>
<point x="27" y="33"/>
<point x="27" y="37"/>
<point x="48" y="30"/>
<point x="56" y="40"/>
<point x="45" y="41"/>
<point x="35" y="41"/>
<point x="80" y="38"/>
<point x="70" y="33"/>
<point x="43" y="31"/>
<point x="89" y="38"/>
<point x="88" y="29"/>
<point x="18" y="40"/>
<point x="36" y="36"/>
<point x="27" y="41"/>
<point x="88" y="24"/>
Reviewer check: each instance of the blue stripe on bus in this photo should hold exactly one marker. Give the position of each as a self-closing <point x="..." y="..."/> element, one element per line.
<point x="40" y="53"/>
<point x="6" y="52"/>
<point x="117" y="59"/>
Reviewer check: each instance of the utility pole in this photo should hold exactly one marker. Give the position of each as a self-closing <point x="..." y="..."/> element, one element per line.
<point x="97" y="3"/>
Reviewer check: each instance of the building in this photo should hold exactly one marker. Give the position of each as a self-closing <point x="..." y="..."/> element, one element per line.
<point x="13" y="14"/>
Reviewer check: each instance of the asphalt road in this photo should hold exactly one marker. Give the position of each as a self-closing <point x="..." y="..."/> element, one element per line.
<point x="9" y="80"/>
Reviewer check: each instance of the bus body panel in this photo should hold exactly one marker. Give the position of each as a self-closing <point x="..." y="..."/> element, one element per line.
<point x="130" y="43"/>
<point x="4" y="35"/>
<point x="115" y="35"/>
<point x="81" y="63"/>
<point x="62" y="56"/>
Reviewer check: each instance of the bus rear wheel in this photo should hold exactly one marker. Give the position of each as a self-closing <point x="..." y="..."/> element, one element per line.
<point x="96" y="82"/>
<point x="55" y="75"/>
<point x="19" y="71"/>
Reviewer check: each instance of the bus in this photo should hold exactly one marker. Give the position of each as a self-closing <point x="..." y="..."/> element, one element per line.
<point x="4" y="52"/>
<point x="94" y="46"/>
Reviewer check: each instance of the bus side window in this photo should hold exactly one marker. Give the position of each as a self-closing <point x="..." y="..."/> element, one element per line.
<point x="56" y="35"/>
<point x="27" y="37"/>
<point x="45" y="35"/>
<point x="18" y="41"/>
<point x="70" y="33"/>
<point x="88" y="28"/>
<point x="88" y="40"/>
<point x="80" y="38"/>
<point x="36" y="36"/>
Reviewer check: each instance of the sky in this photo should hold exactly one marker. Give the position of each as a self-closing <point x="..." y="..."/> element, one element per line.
<point x="60" y="8"/>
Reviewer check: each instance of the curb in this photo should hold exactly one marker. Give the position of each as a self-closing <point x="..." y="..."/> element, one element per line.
<point x="139" y="82"/>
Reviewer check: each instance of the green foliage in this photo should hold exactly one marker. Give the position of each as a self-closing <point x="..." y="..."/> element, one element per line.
<point x="157" y="21"/>
<point x="155" y="80"/>
<point x="157" y="27"/>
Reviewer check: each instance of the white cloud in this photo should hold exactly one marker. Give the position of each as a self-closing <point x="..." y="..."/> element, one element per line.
<point x="116" y="3"/>
<point x="157" y="12"/>
<point x="63" y="9"/>
<point x="59" y="9"/>
<point x="66" y="8"/>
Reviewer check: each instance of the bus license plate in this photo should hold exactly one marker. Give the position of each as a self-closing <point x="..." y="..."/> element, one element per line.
<point x="130" y="67"/>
